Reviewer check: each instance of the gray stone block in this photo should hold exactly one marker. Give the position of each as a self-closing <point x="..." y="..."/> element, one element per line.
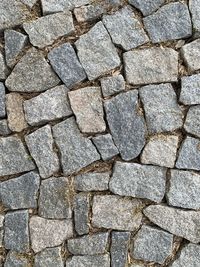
<point x="3" y="68"/>
<point x="146" y="6"/>
<point x="4" y="130"/>
<point x="14" y="259"/>
<point x="190" y="90"/>
<point x="112" y="85"/>
<point x="49" y="257"/>
<point x="191" y="55"/>
<point x="2" y="101"/>
<point x="192" y="122"/>
<point x="194" y="6"/>
<point x="89" y="261"/>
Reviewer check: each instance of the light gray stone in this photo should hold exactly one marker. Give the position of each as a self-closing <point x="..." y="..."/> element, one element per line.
<point x="161" y="150"/>
<point x="92" y="181"/>
<point x="48" y="106"/>
<point x="146" y="6"/>
<point x="14" y="259"/>
<point x="14" y="45"/>
<point x="76" y="150"/>
<point x="96" y="52"/>
<point x="112" y="85"/>
<point x="49" y="233"/>
<point x="117" y="212"/>
<point x="190" y="90"/>
<point x="20" y="192"/>
<point x="29" y="3"/>
<point x="13" y="156"/>
<point x="194" y="6"/>
<point x="2" y="101"/>
<point x="45" y="30"/>
<point x="54" y="199"/>
<point x="170" y="22"/>
<point x="125" y="29"/>
<point x="192" y="122"/>
<point x="1" y="220"/>
<point x="176" y="221"/>
<point x="1" y="230"/>
<point x="89" y="261"/>
<point x="49" y="257"/>
<point x="126" y="123"/>
<point x="141" y="181"/>
<point x="191" y="55"/>
<point x="4" y="130"/>
<point x="144" y="66"/>
<point x="89" y="244"/>
<point x="162" y="112"/>
<point x="90" y="12"/>
<point x="22" y="79"/>
<point x="189" y="154"/>
<point x="17" y="231"/>
<point x="152" y="244"/>
<point x="66" y="64"/>
<point x="40" y="144"/>
<point x="3" y="68"/>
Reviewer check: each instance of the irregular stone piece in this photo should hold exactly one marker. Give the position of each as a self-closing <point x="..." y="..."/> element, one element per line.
<point x="54" y="198"/>
<point x="87" y="106"/>
<point x="96" y="52"/>
<point x="13" y="156"/>
<point x="81" y="213"/>
<point x="105" y="146"/>
<point x="88" y="244"/>
<point x="22" y="79"/>
<point x="49" y="233"/>
<point x="15" y="112"/>
<point x="141" y="181"/>
<point x="176" y="221"/>
<point x="192" y="122"/>
<point x="194" y="6"/>
<point x="125" y="29"/>
<point x="89" y="12"/>
<point x="152" y="244"/>
<point x="112" y="85"/>
<point x="116" y="212"/>
<point x="189" y="154"/>
<point x="89" y="261"/>
<point x="146" y="6"/>
<point x="45" y="30"/>
<point x="15" y="260"/>
<point x="50" y="105"/>
<point x="4" y="130"/>
<point x="190" y="90"/>
<point x="16" y="231"/>
<point x="170" y="22"/>
<point x="143" y="66"/>
<point x="92" y="181"/>
<point x="14" y="44"/>
<point x="127" y="124"/>
<point x="21" y="192"/>
<point x="2" y="100"/>
<point x="161" y="150"/>
<point x="191" y="55"/>
<point x="162" y="112"/>
<point x="190" y="257"/>
<point x="49" y="257"/>
<point x="3" y="68"/>
<point x="119" y="248"/>
<point x="40" y="145"/>
<point x="76" y="150"/>
<point x="66" y="64"/>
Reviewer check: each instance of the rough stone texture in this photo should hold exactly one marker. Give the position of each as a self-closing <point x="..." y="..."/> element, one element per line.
<point x="2" y="100"/>
<point x="116" y="212"/>
<point x="89" y="261"/>
<point x="87" y="106"/>
<point x="189" y="154"/>
<point x="125" y="29"/>
<point x="89" y="244"/>
<point x="146" y="6"/>
<point x="81" y="213"/>
<point x="16" y="231"/>
<point x="22" y="79"/>
<point x="143" y="66"/>
<point x="89" y="12"/>
<point x="49" y="233"/>
<point x="141" y="181"/>
<point x="190" y="90"/>
<point x="50" y="105"/>
<point x="152" y="244"/>
<point x="4" y="130"/>
<point x="54" y="199"/>
<point x="96" y="52"/>
<point x="1" y="230"/>
<point x="161" y="150"/>
<point x="127" y="124"/>
<point x="176" y="221"/>
<point x="13" y="156"/>
<point x="105" y="146"/>
<point x="112" y="85"/>
<point x="170" y="22"/>
<point x="76" y="150"/>
<point x="29" y="3"/>
<point x="119" y="248"/>
<point x="45" y="30"/>
<point x="191" y="55"/>
<point x="66" y="64"/>
<point x="192" y="122"/>
<point x="15" y="112"/>
<point x="194" y="6"/>
<point x="15" y="260"/>
<point x="162" y="111"/>
<point x="49" y="257"/>
<point x="21" y="192"/>
<point x="3" y="68"/>
<point x="14" y="44"/>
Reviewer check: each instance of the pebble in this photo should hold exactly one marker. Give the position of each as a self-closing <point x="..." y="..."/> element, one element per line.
<point x="2" y="101"/>
<point x="194" y="6"/>
<point x="4" y="130"/>
<point x="190" y="90"/>
<point x="146" y="6"/>
<point x="3" y="68"/>
<point x="192" y="122"/>
<point x="49" y="257"/>
<point x="14" y="259"/>
<point x="89" y="261"/>
<point x="191" y="55"/>
<point x="112" y="85"/>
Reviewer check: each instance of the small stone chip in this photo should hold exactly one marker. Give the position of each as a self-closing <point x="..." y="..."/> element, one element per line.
<point x="89" y="261"/>
<point x="49" y="257"/>
<point x="112" y="85"/>
<point x="14" y="259"/>
<point x="3" y="68"/>
<point x="194" y="6"/>
<point x="2" y="101"/>
<point x="146" y="6"/>
<point x="192" y="122"/>
<point x="191" y="55"/>
<point x="190" y="90"/>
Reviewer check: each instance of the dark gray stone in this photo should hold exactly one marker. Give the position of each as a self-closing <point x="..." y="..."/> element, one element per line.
<point x="16" y="260"/>
<point x="4" y="130"/>
<point x="112" y="85"/>
<point x="194" y="6"/>
<point x="191" y="55"/>
<point x="190" y="90"/>
<point x="3" y="68"/>
<point x="192" y="122"/>
<point x="49" y="257"/>
<point x="127" y="124"/>
<point x="2" y="100"/>
<point x="89" y="261"/>
<point x="146" y="6"/>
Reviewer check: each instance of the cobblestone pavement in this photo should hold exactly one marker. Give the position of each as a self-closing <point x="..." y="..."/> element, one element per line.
<point x="99" y="133"/>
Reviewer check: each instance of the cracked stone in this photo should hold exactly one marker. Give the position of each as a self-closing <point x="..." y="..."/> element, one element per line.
<point x="22" y="79"/>
<point x="112" y="85"/>
<point x="191" y="55"/>
<point x="190" y="90"/>
<point x="2" y="101"/>
<point x="14" y="259"/>
<point x="194" y="6"/>
<point x="125" y="29"/>
<point x="89" y="261"/>
<point x="143" y="66"/>
<point x="146" y="6"/>
<point x="3" y="68"/>
<point x="141" y="181"/>
<point x="127" y="124"/>
<point x="4" y="130"/>
<point x="96" y="52"/>
<point x="49" y="257"/>
<point x="192" y="122"/>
